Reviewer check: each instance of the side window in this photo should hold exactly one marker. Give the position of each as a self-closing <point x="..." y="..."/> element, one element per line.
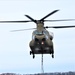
<point x="51" y="34"/>
<point x="33" y="37"/>
<point x="46" y="34"/>
<point x="33" y="34"/>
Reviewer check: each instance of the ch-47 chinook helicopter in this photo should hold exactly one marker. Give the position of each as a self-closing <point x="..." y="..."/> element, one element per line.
<point x="41" y="42"/>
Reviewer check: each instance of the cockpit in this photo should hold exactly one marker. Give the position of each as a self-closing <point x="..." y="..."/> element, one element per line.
<point x="44" y="32"/>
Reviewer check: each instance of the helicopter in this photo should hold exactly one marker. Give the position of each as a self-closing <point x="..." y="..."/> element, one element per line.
<point x="42" y="40"/>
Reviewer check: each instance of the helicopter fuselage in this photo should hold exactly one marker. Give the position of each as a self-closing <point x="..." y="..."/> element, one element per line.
<point x="41" y="42"/>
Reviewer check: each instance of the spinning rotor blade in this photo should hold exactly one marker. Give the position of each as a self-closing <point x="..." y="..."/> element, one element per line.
<point x="30" y="18"/>
<point x="14" y="21"/>
<point x="59" y="20"/>
<point x="35" y="21"/>
<point x="59" y="27"/>
<point x="22" y="29"/>
<point x="49" y="15"/>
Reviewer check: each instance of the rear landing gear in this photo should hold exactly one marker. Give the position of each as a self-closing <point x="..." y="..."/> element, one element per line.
<point x="52" y="51"/>
<point x="52" y="55"/>
<point x="33" y="54"/>
<point x="30" y="52"/>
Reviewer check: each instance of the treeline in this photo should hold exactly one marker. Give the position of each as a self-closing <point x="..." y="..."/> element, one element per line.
<point x="56" y="73"/>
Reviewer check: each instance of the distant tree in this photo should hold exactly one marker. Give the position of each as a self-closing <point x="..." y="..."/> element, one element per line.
<point x="71" y="73"/>
<point x="63" y="74"/>
<point x="59" y="74"/>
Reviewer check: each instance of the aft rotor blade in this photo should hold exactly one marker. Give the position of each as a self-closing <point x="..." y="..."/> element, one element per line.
<point x="59" y="20"/>
<point x="14" y="21"/>
<point x="30" y="18"/>
<point x="22" y="29"/>
<point x="59" y="27"/>
<point x="49" y="15"/>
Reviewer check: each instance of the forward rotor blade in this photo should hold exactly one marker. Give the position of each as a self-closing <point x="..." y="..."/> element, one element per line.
<point x="30" y="18"/>
<point x="23" y="29"/>
<point x="14" y="21"/>
<point x="59" y="27"/>
<point x="59" y="20"/>
<point x="49" y="15"/>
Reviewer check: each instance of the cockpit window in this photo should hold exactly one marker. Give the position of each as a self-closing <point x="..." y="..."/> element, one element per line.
<point x="45" y="32"/>
<point x="37" y="32"/>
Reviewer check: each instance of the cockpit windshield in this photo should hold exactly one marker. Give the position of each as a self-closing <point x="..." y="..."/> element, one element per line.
<point x="37" y="32"/>
<point x="45" y="32"/>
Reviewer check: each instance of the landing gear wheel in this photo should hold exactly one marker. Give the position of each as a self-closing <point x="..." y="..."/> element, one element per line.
<point x="50" y="51"/>
<point x="30" y="52"/>
<point x="33" y="56"/>
<point x="52" y="55"/>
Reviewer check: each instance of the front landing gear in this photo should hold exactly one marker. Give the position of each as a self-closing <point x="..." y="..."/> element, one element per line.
<point x="52" y="55"/>
<point x="30" y="52"/>
<point x="52" y="51"/>
<point x="33" y="54"/>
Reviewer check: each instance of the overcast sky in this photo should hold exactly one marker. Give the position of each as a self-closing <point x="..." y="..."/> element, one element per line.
<point x="14" y="46"/>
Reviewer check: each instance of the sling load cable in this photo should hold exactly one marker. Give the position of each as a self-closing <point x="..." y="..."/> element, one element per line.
<point x="42" y="68"/>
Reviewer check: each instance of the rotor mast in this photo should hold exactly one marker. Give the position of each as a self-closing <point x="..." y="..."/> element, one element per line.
<point x="40" y="25"/>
